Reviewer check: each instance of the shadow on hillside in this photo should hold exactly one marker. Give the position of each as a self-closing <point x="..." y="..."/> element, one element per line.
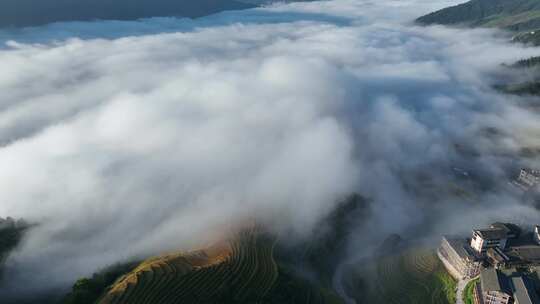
<point x="111" y="29"/>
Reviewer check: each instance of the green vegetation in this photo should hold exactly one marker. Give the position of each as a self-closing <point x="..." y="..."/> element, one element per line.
<point x="322" y="252"/>
<point x="530" y="37"/>
<point x="531" y="62"/>
<point x="468" y="293"/>
<point x="449" y="285"/>
<point x="415" y="276"/>
<point x="526" y="88"/>
<point x="290" y="289"/>
<point x="88" y="290"/>
<point x="10" y="236"/>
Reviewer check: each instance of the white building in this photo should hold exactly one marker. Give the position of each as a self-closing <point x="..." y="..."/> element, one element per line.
<point x="536" y="234"/>
<point x="529" y="178"/>
<point x="483" y="239"/>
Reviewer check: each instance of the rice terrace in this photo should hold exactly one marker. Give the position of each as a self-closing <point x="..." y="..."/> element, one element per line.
<point x="240" y="270"/>
<point x="412" y="277"/>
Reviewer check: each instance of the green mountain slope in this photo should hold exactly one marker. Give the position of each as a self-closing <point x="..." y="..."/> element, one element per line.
<point x="530" y="37"/>
<point x="514" y="15"/>
<point x="397" y="275"/>
<point x="522" y="17"/>
<point x="242" y="270"/>
<point x="11" y="232"/>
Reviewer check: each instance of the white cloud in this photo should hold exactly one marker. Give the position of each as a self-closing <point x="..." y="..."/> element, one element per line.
<point x="142" y="141"/>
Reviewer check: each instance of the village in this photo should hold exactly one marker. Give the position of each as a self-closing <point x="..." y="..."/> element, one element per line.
<point x="502" y="261"/>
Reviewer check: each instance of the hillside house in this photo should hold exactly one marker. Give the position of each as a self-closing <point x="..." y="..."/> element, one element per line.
<point x="459" y="258"/>
<point x="483" y="239"/>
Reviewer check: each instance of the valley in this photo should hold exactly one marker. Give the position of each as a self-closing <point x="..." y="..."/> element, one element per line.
<point x="348" y="135"/>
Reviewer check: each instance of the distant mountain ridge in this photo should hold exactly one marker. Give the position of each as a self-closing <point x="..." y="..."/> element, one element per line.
<point x="22" y="13"/>
<point x="522" y="17"/>
<point x="514" y="15"/>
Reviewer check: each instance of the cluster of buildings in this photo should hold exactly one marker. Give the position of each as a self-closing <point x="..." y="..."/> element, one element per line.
<point x="501" y="256"/>
<point x="498" y="287"/>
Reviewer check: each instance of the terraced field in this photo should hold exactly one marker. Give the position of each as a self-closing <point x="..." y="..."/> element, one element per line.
<point x="414" y="277"/>
<point x="239" y="271"/>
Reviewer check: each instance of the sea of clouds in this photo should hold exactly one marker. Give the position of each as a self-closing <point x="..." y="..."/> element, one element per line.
<point x="125" y="139"/>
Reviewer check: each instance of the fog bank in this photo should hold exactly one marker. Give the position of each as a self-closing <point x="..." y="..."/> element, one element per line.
<point x="127" y="139"/>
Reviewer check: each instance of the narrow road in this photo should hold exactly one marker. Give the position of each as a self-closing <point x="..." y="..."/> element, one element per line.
<point x="340" y="273"/>
<point x="460" y="289"/>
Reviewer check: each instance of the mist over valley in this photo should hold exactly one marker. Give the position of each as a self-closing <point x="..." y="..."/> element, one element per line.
<point x="296" y="152"/>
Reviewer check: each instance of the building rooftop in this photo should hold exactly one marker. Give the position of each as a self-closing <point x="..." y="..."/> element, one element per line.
<point x="491" y="233"/>
<point x="497" y="255"/>
<point x="462" y="248"/>
<point x="523" y="293"/>
<point x="491" y="280"/>
<point x="509" y="228"/>
<point x="527" y="253"/>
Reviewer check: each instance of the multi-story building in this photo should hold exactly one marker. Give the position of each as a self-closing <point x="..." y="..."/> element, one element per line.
<point x="494" y="288"/>
<point x="523" y="291"/>
<point x="498" y="288"/>
<point x="483" y="239"/>
<point x="459" y="258"/>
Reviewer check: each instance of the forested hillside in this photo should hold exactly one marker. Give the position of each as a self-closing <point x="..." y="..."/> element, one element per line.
<point x="521" y="17"/>
<point x="11" y="232"/>
<point x="514" y="15"/>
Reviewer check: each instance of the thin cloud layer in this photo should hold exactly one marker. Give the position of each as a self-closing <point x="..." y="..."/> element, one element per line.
<point x="146" y="140"/>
